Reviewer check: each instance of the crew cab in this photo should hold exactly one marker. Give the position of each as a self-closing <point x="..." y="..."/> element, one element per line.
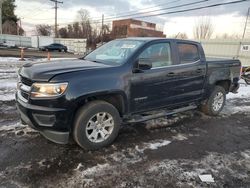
<point x="124" y="81"/>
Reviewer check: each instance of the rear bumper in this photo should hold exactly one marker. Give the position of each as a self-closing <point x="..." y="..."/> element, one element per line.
<point x="45" y="120"/>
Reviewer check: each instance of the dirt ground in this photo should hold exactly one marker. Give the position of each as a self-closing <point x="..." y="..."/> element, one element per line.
<point x="165" y="152"/>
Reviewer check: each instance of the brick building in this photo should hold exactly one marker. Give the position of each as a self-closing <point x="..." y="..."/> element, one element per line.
<point x="134" y="28"/>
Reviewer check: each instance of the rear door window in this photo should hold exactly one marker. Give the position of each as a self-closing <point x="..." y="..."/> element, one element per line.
<point x="188" y="53"/>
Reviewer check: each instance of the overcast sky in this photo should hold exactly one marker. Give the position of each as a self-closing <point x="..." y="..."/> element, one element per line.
<point x="226" y="19"/>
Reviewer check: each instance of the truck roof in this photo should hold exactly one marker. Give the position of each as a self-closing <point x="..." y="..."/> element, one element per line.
<point x="148" y="39"/>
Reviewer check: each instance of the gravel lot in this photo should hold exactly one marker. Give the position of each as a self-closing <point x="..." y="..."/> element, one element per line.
<point x="160" y="153"/>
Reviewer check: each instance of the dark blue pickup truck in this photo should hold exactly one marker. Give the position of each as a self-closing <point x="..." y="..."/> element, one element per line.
<point x="124" y="81"/>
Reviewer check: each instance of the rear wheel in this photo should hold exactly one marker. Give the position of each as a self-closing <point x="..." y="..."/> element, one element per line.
<point x="96" y="125"/>
<point x="215" y="102"/>
<point x="247" y="79"/>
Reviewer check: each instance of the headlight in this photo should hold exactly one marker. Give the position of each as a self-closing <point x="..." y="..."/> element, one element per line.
<point x="46" y="90"/>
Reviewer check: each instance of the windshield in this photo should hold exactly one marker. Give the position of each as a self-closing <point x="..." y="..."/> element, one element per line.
<point x="114" y="52"/>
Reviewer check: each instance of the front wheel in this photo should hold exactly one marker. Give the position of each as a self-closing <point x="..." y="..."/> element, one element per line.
<point x="215" y="102"/>
<point x="96" y="125"/>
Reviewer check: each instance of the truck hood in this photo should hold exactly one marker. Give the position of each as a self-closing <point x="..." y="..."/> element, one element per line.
<point x="44" y="71"/>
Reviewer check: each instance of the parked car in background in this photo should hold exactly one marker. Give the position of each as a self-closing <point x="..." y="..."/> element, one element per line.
<point x="124" y="81"/>
<point x="54" y="47"/>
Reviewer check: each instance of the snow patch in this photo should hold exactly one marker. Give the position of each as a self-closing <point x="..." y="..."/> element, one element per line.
<point x="9" y="59"/>
<point x="157" y="145"/>
<point x="79" y="166"/>
<point x="215" y="164"/>
<point x="9" y="84"/>
<point x="18" y="129"/>
<point x="41" y="163"/>
<point x="152" y="146"/>
<point x="129" y="156"/>
<point x="179" y="137"/>
<point x="8" y="71"/>
<point x="96" y="169"/>
<point x="243" y="92"/>
<point x="166" y="122"/>
<point x="16" y="59"/>
<point x="7" y="97"/>
<point x="230" y="109"/>
<point x="11" y="127"/>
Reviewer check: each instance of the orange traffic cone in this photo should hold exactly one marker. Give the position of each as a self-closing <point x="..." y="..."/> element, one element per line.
<point x="48" y="56"/>
<point x="22" y="55"/>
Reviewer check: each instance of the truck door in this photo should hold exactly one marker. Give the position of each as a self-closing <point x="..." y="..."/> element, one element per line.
<point x="176" y="77"/>
<point x="153" y="87"/>
<point x="190" y="72"/>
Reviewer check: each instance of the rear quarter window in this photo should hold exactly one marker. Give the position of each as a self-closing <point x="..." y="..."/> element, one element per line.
<point x="188" y="53"/>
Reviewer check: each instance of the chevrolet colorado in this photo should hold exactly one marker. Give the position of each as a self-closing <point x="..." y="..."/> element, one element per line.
<point x="124" y="81"/>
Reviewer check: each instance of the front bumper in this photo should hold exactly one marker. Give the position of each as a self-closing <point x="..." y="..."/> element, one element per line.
<point x="46" y="120"/>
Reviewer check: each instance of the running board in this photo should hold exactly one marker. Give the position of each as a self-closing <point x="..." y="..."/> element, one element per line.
<point x="142" y="118"/>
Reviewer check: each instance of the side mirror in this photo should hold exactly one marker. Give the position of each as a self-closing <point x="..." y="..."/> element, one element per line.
<point x="144" y="64"/>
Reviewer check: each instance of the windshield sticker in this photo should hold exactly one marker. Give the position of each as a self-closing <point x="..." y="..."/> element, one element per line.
<point x="128" y="46"/>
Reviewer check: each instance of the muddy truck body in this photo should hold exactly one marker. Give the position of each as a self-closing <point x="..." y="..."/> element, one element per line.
<point x="124" y="81"/>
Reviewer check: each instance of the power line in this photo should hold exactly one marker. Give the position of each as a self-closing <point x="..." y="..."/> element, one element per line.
<point x="197" y="8"/>
<point x="56" y="7"/>
<point x="136" y="11"/>
<point x="246" y="23"/>
<point x="108" y="19"/>
<point x="177" y="11"/>
<point x="167" y="8"/>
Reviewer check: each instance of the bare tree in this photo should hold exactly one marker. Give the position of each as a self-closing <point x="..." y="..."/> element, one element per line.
<point x="84" y="19"/>
<point x="70" y="31"/>
<point x="44" y="30"/>
<point x="203" y="29"/>
<point x="63" y="33"/>
<point x="83" y="28"/>
<point x="180" y="36"/>
<point x="83" y="15"/>
<point x="76" y="30"/>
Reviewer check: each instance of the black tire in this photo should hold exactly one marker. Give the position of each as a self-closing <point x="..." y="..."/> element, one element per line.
<point x="208" y="107"/>
<point x="59" y="50"/>
<point x="82" y="118"/>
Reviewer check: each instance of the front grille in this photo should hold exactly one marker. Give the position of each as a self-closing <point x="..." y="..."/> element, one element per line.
<point x="25" y="87"/>
<point x="25" y="95"/>
<point x="26" y="81"/>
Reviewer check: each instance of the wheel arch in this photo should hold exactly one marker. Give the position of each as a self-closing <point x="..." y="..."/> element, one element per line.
<point x="225" y="84"/>
<point x="117" y="98"/>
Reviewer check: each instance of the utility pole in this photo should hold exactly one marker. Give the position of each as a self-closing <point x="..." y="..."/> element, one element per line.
<point x="56" y="7"/>
<point x="243" y="35"/>
<point x="1" y="12"/>
<point x="102" y="28"/>
<point x="246" y="23"/>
